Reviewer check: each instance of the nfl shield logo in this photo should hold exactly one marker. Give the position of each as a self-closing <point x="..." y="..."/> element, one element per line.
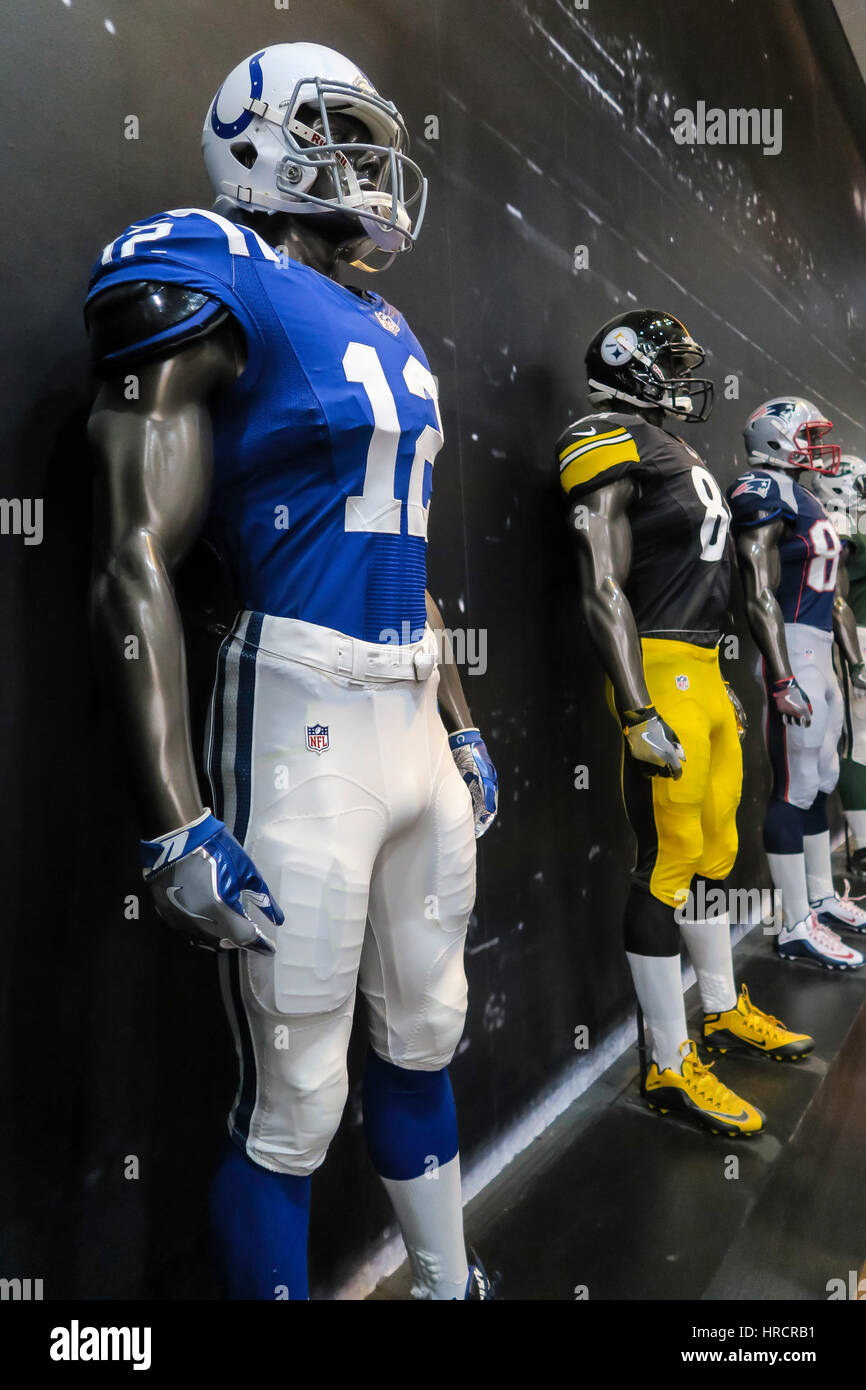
<point x="317" y="738"/>
<point x="682" y="682"/>
<point x="388" y="321"/>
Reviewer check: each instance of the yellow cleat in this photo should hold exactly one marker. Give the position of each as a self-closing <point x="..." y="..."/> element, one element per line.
<point x="702" y="1096"/>
<point x="748" y="1029"/>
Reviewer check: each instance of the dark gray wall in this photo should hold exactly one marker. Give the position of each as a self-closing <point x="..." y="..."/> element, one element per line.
<point x="555" y="132"/>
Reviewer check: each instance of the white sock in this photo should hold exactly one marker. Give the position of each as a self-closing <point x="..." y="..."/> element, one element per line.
<point x="430" y="1213"/>
<point x="819" y="873"/>
<point x="658" y="984"/>
<point x="709" y="945"/>
<point x="788" y="872"/>
<point x="857" y="826"/>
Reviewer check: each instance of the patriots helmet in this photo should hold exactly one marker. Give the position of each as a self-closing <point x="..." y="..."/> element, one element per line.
<point x="787" y="432"/>
<point x="646" y="358"/>
<point x="297" y="128"/>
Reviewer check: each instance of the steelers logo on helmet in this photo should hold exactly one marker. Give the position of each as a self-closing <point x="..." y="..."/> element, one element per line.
<point x="619" y="345"/>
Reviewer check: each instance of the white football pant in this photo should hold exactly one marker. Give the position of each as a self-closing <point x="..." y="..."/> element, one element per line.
<point x="331" y="765"/>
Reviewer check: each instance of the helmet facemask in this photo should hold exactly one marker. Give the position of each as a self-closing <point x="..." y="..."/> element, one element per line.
<point x="809" y="452"/>
<point x="371" y="180"/>
<point x="669" y="373"/>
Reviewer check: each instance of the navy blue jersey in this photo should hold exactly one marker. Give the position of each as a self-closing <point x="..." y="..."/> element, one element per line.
<point x="323" y="447"/>
<point x="809" y="547"/>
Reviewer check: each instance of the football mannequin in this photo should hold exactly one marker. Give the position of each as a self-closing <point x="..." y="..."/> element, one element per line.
<point x="651" y="528"/>
<point x="293" y="422"/>
<point x="789" y="555"/>
<point x="843" y="497"/>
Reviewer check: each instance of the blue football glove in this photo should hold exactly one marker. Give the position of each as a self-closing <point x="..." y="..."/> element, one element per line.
<point x="205" y="884"/>
<point x="479" y="774"/>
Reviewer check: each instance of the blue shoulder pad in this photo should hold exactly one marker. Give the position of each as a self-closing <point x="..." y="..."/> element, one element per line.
<point x="755" y="498"/>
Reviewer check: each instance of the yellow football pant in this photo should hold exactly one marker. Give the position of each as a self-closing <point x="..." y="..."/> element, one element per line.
<point x="689" y="826"/>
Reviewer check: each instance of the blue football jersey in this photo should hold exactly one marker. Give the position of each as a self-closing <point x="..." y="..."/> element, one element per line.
<point x="323" y="447"/>
<point x="809" y="547"/>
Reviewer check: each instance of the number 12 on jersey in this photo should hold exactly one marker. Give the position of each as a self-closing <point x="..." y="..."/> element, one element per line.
<point x="376" y="509"/>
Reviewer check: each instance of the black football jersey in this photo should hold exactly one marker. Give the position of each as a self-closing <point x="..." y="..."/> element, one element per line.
<point x="680" y="579"/>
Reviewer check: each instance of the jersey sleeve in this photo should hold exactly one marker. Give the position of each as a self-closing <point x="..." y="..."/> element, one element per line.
<point x="595" y="451"/>
<point x="209" y="256"/>
<point x="755" y="499"/>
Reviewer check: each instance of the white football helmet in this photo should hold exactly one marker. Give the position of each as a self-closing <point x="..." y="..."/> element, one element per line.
<point x="843" y="494"/>
<point x="274" y="139"/>
<point x="786" y="432"/>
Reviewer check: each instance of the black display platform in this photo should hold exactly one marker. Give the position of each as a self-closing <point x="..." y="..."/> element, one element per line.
<point x="635" y="1206"/>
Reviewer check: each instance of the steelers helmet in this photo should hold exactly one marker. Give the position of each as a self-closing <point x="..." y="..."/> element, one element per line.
<point x="645" y="357"/>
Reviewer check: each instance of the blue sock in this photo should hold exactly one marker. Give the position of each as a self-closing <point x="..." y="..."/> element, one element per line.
<point x="411" y="1129"/>
<point x="783" y="827"/>
<point x="408" y="1116"/>
<point x="259" y="1223"/>
<point x="815" y="819"/>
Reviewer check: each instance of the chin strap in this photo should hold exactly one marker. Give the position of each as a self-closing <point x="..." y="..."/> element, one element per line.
<point x="599" y="394"/>
<point x="361" y="264"/>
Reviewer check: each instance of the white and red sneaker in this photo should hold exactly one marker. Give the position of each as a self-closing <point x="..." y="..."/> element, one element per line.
<point x="810" y="940"/>
<point x="836" y="911"/>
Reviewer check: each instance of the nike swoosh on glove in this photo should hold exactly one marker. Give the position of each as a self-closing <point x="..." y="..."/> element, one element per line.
<point x="479" y="774"/>
<point x="205" y="885"/>
<point x="653" y="744"/>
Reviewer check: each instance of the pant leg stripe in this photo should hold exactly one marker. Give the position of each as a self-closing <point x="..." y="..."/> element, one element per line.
<point x="244" y="702"/>
<point x="229" y="961"/>
<point x="245" y="710"/>
<point x="231" y="746"/>
<point x="228" y="757"/>
<point x="247" y="1091"/>
<point x="214" y="753"/>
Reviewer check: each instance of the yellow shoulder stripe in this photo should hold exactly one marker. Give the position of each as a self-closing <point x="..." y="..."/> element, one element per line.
<point x="591" y="463"/>
<point x="589" y="441"/>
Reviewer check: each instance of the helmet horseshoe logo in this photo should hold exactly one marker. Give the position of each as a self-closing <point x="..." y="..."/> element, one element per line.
<point x="227" y="130"/>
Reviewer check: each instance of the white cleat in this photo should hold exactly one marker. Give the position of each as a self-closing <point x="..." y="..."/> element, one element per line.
<point x="812" y="941"/>
<point x="836" y="911"/>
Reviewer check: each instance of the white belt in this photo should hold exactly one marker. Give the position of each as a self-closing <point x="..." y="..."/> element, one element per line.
<point x="328" y="650"/>
<point x="818" y="635"/>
